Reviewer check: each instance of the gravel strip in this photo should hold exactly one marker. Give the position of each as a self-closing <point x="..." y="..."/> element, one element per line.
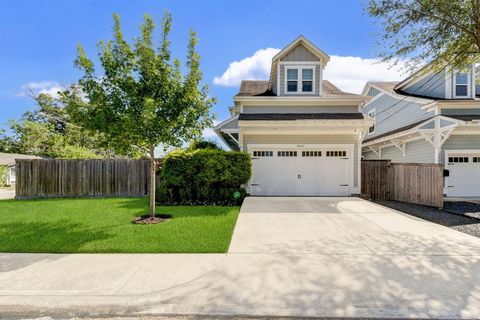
<point x="455" y="221"/>
<point x="469" y="209"/>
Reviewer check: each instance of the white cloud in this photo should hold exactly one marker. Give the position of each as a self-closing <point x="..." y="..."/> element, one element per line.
<point x="255" y="67"/>
<point x="348" y="73"/>
<point x="351" y="73"/>
<point x="47" y="87"/>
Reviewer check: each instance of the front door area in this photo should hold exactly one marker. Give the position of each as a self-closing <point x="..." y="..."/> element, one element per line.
<point x="301" y="170"/>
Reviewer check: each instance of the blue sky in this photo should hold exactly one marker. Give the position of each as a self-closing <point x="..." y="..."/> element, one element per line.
<point x="39" y="41"/>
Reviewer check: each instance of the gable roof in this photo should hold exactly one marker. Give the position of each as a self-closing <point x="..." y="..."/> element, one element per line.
<point x="384" y="85"/>
<point x="301" y="40"/>
<point x="261" y="88"/>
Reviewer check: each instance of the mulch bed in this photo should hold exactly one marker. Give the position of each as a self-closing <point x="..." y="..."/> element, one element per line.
<point x="457" y="221"/>
<point x="469" y="209"/>
<point x="147" y="219"/>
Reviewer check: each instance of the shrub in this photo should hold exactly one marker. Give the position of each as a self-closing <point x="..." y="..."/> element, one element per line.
<point x="3" y="175"/>
<point x="203" y="144"/>
<point x="204" y="176"/>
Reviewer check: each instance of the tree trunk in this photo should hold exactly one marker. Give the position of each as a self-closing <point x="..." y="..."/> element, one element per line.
<point x="152" y="181"/>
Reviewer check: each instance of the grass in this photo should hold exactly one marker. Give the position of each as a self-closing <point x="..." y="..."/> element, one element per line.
<point x="104" y="226"/>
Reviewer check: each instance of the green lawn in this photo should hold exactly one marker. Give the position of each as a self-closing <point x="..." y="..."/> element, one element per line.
<point x="104" y="225"/>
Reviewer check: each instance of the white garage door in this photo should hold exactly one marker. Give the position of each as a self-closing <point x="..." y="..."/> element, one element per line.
<point x="301" y="171"/>
<point x="464" y="177"/>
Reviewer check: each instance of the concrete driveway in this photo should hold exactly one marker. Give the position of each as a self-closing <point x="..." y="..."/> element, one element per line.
<point x="340" y="226"/>
<point x="304" y="257"/>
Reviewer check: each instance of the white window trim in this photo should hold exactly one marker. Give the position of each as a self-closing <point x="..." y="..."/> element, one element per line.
<point x="374" y="118"/>
<point x="300" y="79"/>
<point x="469" y="81"/>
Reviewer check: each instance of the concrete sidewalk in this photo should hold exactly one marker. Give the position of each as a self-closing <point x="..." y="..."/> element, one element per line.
<point x="377" y="275"/>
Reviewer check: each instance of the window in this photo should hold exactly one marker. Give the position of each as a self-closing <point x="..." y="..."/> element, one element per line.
<point x="263" y="153"/>
<point x="336" y="153"/>
<point x="371" y="114"/>
<point x="300" y="80"/>
<point x="476" y="159"/>
<point x="287" y="153"/>
<point x="311" y="153"/>
<point x="292" y="80"/>
<point x="462" y="80"/>
<point x="458" y="159"/>
<point x="307" y="80"/>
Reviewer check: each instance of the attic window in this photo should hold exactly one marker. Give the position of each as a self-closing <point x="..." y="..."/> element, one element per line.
<point x="307" y="80"/>
<point x="300" y="79"/>
<point x="462" y="80"/>
<point x="292" y="80"/>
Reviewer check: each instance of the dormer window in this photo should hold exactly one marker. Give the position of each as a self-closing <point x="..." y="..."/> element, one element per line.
<point x="292" y="80"/>
<point x="307" y="80"/>
<point x="462" y="84"/>
<point x="300" y="79"/>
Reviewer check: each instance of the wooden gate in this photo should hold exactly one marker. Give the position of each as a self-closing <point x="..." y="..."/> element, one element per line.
<point x="408" y="182"/>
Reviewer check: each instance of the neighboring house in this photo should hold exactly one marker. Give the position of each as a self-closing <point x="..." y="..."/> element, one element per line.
<point x="303" y="133"/>
<point x="8" y="159"/>
<point x="430" y="117"/>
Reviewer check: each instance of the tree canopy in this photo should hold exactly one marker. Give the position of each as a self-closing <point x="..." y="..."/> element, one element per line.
<point x="48" y="131"/>
<point x="440" y="32"/>
<point x="140" y="99"/>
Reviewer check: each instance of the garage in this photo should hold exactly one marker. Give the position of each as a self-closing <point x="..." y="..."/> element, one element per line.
<point x="301" y="170"/>
<point x="464" y="173"/>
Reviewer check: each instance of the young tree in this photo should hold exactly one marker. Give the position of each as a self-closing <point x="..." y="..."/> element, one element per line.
<point x="141" y="99"/>
<point x="433" y="31"/>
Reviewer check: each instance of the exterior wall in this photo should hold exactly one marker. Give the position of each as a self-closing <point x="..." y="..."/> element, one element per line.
<point x="462" y="111"/>
<point x="393" y="113"/>
<point x="369" y="155"/>
<point x="299" y="53"/>
<point x="309" y="139"/>
<point x="451" y="85"/>
<point x="460" y="142"/>
<point x="372" y="92"/>
<point x="317" y="83"/>
<point x="430" y="86"/>
<point x="418" y="151"/>
<point x="300" y="109"/>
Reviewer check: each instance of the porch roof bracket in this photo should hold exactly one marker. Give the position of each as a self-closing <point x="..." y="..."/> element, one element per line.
<point x="400" y="145"/>
<point x="376" y="150"/>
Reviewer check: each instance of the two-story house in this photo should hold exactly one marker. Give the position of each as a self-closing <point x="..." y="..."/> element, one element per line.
<point x="303" y="133"/>
<point x="430" y="117"/>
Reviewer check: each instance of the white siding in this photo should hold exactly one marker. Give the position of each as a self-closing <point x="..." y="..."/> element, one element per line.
<point x="308" y="139"/>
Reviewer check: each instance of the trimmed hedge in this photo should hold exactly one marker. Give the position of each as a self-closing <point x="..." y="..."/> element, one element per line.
<point x="204" y="176"/>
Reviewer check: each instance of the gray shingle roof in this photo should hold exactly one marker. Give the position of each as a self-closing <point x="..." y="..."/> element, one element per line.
<point x="300" y="116"/>
<point x="385" y="85"/>
<point x="9" y="158"/>
<point x="260" y="88"/>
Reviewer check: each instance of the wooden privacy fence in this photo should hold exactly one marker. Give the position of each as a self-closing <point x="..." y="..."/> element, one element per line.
<point x="408" y="182"/>
<point x="40" y="178"/>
